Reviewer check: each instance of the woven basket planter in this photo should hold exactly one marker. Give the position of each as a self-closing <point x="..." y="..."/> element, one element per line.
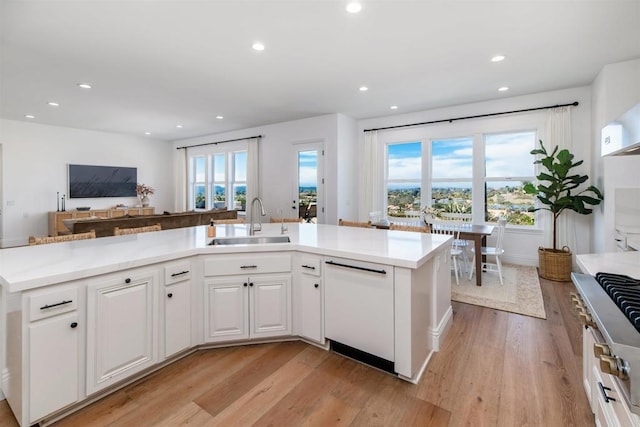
<point x="555" y="264"/>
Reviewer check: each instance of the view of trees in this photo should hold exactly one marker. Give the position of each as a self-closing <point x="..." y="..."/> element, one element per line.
<point x="508" y="201"/>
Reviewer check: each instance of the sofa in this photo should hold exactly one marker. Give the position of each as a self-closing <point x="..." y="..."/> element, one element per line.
<point x="105" y="227"/>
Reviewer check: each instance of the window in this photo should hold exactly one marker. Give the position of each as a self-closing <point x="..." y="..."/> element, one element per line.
<point x="508" y="166"/>
<point x="452" y="174"/>
<point x="218" y="180"/>
<point x="403" y="178"/>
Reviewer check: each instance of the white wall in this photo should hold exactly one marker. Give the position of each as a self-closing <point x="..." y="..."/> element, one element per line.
<point x="277" y="165"/>
<point x="347" y="161"/>
<point x="520" y="245"/>
<point x="614" y="91"/>
<point x="34" y="168"/>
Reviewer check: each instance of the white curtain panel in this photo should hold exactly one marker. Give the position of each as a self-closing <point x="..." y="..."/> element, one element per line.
<point x="558" y="132"/>
<point x="371" y="194"/>
<point x="253" y="171"/>
<point x="181" y="190"/>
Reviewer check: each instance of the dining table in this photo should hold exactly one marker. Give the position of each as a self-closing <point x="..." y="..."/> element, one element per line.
<point x="468" y="231"/>
<point x="474" y="232"/>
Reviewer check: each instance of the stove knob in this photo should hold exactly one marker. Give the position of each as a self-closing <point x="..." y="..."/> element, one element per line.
<point x="613" y="366"/>
<point x="586" y="319"/>
<point x="600" y="349"/>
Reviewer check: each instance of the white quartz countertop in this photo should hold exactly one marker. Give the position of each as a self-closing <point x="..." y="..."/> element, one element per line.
<point x="30" y="267"/>
<point x="611" y="262"/>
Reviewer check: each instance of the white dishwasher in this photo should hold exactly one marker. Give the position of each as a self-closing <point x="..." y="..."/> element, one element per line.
<point x="359" y="310"/>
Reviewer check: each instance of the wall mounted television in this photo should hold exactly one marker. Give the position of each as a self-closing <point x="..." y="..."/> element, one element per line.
<point x="101" y="181"/>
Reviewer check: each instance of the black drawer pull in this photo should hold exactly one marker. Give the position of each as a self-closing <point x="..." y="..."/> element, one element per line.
<point x="74" y="325"/>
<point x="372" y="270"/>
<point x="44" y="307"/>
<point x="180" y="274"/>
<point x="604" y="390"/>
<point x="316" y="285"/>
<point x="248" y="266"/>
<point x="310" y="267"/>
<point x="169" y="295"/>
<point x="127" y="280"/>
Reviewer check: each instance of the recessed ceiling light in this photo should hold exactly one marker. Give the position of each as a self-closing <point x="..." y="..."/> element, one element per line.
<point x="354" y="7"/>
<point x="179" y="126"/>
<point x="363" y="88"/>
<point x="53" y="104"/>
<point x="503" y="89"/>
<point x="498" y="58"/>
<point x="257" y="46"/>
<point x="84" y="85"/>
<point x="29" y="116"/>
<point x="147" y="133"/>
<point x="394" y="107"/>
<point x="219" y="117"/>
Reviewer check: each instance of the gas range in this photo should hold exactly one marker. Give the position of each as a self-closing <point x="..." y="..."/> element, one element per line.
<point x="610" y="303"/>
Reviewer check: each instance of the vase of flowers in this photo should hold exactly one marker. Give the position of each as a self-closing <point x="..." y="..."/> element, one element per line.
<point x="144" y="191"/>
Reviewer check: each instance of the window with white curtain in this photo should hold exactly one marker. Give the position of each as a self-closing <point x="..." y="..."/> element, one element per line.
<point x="477" y="167"/>
<point x="218" y="178"/>
<point x="508" y="167"/>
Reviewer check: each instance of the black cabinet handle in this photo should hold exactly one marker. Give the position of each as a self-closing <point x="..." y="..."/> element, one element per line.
<point x="180" y="274"/>
<point x="127" y="280"/>
<point x="245" y="284"/>
<point x="604" y="390"/>
<point x="250" y="283"/>
<point x="248" y="266"/>
<point x="44" y="307"/>
<point x="74" y="325"/>
<point x="310" y="267"/>
<point x="316" y="285"/>
<point x="372" y="270"/>
<point x="169" y="295"/>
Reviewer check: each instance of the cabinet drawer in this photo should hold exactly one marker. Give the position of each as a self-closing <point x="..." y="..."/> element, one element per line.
<point x="221" y="265"/>
<point x="310" y="265"/>
<point x="46" y="303"/>
<point x="175" y="273"/>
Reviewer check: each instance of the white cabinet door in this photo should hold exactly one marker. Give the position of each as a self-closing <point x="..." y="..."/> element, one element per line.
<point x="177" y="318"/>
<point x="53" y="364"/>
<point x="226" y="309"/>
<point x="310" y="323"/>
<point x="121" y="328"/>
<point x="270" y="297"/>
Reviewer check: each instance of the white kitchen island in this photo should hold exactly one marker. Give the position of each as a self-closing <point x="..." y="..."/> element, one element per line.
<point x="82" y="318"/>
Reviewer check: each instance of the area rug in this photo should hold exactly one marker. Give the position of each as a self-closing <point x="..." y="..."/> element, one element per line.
<point x="520" y="293"/>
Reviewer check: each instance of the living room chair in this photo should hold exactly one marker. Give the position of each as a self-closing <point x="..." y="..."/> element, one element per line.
<point x="456" y="251"/>
<point x="280" y="220"/>
<point x="355" y="223"/>
<point x="64" y="238"/>
<point x="495" y="251"/>
<point x="135" y="230"/>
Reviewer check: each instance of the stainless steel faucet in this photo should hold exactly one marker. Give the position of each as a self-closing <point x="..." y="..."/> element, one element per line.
<point x="283" y="228"/>
<point x="253" y="227"/>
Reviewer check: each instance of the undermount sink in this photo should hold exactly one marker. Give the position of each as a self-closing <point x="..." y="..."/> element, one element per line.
<point x="249" y="240"/>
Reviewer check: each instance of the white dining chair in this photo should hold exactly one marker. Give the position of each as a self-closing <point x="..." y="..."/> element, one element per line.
<point x="456" y="252"/>
<point x="494" y="251"/>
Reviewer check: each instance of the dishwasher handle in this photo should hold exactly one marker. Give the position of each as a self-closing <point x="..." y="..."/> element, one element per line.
<point x="372" y="270"/>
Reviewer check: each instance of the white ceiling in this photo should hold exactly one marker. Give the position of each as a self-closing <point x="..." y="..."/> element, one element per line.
<point x="156" y="64"/>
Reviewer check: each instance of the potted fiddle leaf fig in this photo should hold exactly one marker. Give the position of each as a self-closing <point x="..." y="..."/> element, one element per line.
<point x="558" y="189"/>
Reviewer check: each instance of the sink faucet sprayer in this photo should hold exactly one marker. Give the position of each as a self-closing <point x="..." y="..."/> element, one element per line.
<point x="283" y="228"/>
<point x="255" y="227"/>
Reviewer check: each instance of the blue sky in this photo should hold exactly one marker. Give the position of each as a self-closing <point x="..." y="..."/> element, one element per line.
<point x="307" y="168"/>
<point x="452" y="158"/>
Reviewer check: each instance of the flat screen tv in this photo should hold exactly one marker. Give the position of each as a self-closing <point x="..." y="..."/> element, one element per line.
<point x="101" y="181"/>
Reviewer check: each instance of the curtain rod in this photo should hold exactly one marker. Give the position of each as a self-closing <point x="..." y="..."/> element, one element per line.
<point x="573" y="104"/>
<point x="219" y="142"/>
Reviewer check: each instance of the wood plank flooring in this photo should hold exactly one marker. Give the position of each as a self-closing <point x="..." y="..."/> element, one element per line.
<point x="495" y="369"/>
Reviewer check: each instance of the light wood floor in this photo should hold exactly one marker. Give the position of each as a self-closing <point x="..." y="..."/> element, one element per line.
<point x="496" y="369"/>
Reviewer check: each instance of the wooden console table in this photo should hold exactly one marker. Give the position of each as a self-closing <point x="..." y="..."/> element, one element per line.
<point x="57" y="226"/>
